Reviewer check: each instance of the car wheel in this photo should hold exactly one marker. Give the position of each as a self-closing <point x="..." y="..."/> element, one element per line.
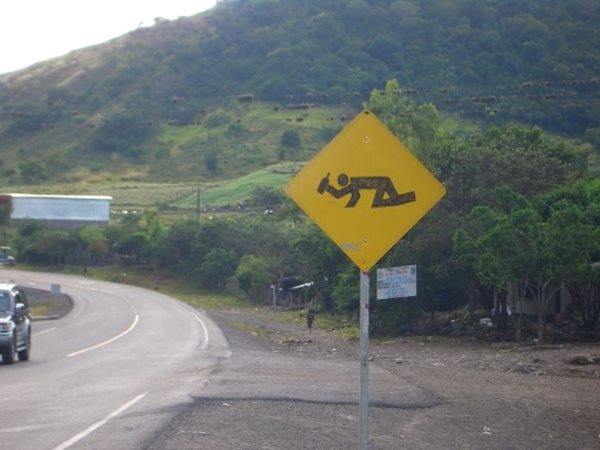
<point x="9" y="355"/>
<point x="24" y="354"/>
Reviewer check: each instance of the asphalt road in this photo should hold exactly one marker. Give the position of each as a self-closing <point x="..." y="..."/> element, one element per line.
<point x="111" y="373"/>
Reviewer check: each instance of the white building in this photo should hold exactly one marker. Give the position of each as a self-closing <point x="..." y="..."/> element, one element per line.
<point x="62" y="211"/>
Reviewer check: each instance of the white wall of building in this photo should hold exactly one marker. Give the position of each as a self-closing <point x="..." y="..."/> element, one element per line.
<point x="58" y="208"/>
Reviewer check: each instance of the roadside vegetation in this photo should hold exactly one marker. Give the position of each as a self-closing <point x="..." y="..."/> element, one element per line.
<point x="521" y="216"/>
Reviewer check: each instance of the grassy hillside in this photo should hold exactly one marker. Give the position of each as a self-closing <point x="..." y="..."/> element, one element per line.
<point x="238" y="191"/>
<point x="222" y="142"/>
<point x="214" y="96"/>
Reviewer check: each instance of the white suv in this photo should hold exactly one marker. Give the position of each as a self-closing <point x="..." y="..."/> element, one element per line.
<point x="15" y="324"/>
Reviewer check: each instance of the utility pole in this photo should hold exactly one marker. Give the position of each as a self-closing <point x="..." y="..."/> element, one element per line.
<point x="198" y="204"/>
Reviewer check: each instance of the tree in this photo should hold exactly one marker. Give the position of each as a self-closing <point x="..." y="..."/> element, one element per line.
<point x="153" y="228"/>
<point x="584" y="289"/>
<point x="394" y="108"/>
<point x="418" y="126"/>
<point x="472" y="170"/>
<point x="319" y="260"/>
<point x="211" y="160"/>
<point x="289" y="144"/>
<point x="290" y="139"/>
<point x="5" y="214"/>
<point x="218" y="265"/>
<point x="484" y="244"/>
<point x="346" y="290"/>
<point x="133" y="248"/>
<point x="574" y="217"/>
<point x="39" y="245"/>
<point x="266" y="196"/>
<point x="254" y="277"/>
<point x="506" y="154"/>
<point x="175" y="248"/>
<point x="94" y="242"/>
<point x="122" y="133"/>
<point x="535" y="248"/>
<point x="533" y="260"/>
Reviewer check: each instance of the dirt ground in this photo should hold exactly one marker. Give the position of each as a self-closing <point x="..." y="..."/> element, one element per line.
<point x="421" y="352"/>
<point x="503" y="396"/>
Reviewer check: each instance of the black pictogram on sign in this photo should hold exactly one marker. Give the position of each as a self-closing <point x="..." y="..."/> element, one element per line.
<point x="385" y="192"/>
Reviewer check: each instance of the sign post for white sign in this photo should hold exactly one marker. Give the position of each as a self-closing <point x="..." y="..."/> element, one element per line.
<point x="365" y="190"/>
<point x="397" y="282"/>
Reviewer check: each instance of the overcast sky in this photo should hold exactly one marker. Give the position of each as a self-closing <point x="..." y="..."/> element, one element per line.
<point x="36" y="30"/>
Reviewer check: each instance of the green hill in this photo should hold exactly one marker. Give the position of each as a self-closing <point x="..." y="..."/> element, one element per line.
<point x="252" y="83"/>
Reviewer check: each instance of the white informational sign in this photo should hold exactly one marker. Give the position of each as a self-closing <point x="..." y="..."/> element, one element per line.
<point x="397" y="282"/>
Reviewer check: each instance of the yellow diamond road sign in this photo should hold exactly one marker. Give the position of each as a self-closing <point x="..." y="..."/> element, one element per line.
<point x="365" y="190"/>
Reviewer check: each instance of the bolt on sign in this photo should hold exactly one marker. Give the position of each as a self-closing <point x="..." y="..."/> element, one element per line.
<point x="365" y="190"/>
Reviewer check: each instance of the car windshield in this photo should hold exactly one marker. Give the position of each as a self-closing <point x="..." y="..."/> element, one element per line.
<point x="4" y="301"/>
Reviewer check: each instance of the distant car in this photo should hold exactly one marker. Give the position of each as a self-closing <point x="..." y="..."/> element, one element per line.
<point x="15" y="324"/>
<point x="6" y="260"/>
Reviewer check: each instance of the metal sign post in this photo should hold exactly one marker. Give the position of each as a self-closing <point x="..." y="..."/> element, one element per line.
<point x="364" y="361"/>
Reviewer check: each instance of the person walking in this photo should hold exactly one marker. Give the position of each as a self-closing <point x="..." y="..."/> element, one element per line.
<point x="310" y="318"/>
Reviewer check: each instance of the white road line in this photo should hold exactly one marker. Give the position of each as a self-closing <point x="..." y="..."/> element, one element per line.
<point x="102" y="344"/>
<point x="103" y="291"/>
<point x="119" y="336"/>
<point x="23" y="428"/>
<point x="94" y="427"/>
<point x="79" y="305"/>
<point x="205" y="343"/>
<point x="39" y="333"/>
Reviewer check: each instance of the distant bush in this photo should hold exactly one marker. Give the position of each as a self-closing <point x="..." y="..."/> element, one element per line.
<point x="237" y="129"/>
<point x="211" y="161"/>
<point x="122" y="133"/>
<point x="290" y="139"/>
<point x="267" y="196"/>
<point x="32" y="172"/>
<point x="217" y="119"/>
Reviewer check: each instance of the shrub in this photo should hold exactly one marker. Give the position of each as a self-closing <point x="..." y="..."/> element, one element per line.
<point x="216" y="119"/>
